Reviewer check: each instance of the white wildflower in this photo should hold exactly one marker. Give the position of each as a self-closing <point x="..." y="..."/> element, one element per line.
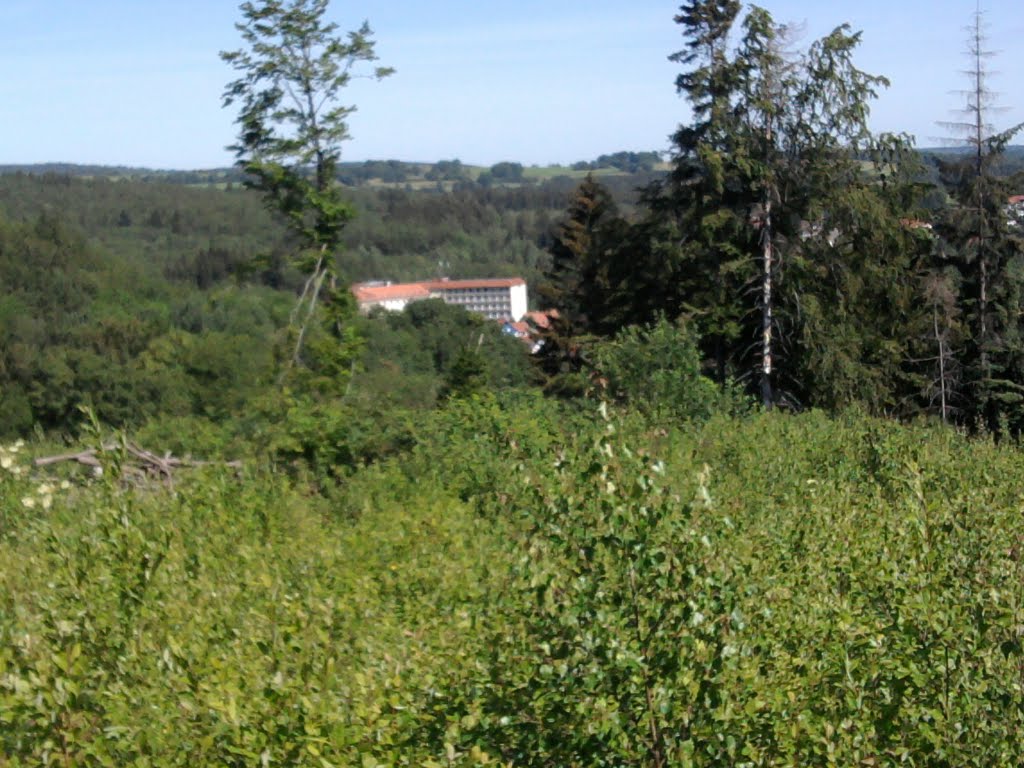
<point x="28" y="502"/>
<point x="6" y="462"/>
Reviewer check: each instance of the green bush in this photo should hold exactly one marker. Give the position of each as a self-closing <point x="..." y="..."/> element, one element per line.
<point x="328" y="439"/>
<point x="656" y="369"/>
<point x="523" y="584"/>
<point x="778" y="591"/>
<point x="230" y="623"/>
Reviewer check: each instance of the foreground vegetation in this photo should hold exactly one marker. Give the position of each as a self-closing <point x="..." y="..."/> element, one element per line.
<point x="528" y="585"/>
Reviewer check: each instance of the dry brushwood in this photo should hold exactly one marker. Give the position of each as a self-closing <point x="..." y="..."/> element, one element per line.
<point x="138" y="461"/>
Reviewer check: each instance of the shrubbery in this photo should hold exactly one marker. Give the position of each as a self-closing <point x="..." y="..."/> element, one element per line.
<point x="656" y="369"/>
<point x="525" y="583"/>
<point x="778" y="591"/>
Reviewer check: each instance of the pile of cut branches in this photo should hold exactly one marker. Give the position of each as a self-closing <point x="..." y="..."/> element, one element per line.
<point x="135" y="462"/>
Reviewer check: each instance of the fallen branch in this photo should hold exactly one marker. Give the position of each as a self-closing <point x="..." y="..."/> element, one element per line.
<point x="82" y="457"/>
<point x="147" y="462"/>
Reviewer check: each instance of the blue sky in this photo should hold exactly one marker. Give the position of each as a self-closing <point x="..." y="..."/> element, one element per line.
<point x="138" y="82"/>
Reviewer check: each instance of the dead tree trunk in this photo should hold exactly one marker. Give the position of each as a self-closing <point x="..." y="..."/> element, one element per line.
<point x="767" y="266"/>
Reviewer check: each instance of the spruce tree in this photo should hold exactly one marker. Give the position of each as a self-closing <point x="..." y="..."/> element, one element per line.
<point x="759" y="175"/>
<point x="693" y="234"/>
<point x="578" y="285"/>
<point x="988" y="250"/>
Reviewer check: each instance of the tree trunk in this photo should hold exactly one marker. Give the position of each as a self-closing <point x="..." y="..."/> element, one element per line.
<point x="720" y="366"/>
<point x="767" y="262"/>
<point x="942" y="364"/>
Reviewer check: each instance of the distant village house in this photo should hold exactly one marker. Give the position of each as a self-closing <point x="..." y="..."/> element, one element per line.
<point x="1015" y="211"/>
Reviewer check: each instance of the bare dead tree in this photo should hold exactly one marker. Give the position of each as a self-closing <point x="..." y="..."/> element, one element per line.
<point x="942" y="297"/>
<point x="973" y="128"/>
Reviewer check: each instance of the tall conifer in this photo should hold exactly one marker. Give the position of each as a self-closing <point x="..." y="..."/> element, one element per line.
<point x="773" y="142"/>
<point x="989" y="252"/>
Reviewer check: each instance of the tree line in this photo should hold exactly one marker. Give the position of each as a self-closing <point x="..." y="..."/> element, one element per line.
<point x="356" y="174"/>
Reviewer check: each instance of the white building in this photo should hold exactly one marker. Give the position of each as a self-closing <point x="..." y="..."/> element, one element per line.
<point x="494" y="298"/>
<point x="1015" y="211"/>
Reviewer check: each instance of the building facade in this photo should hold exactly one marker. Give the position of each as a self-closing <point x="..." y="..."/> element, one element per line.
<point x="494" y="298"/>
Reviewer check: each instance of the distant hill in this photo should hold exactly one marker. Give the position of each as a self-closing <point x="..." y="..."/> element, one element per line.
<point x="1011" y="163"/>
<point x="443" y="174"/>
<point x="1014" y="150"/>
<point x="119" y="172"/>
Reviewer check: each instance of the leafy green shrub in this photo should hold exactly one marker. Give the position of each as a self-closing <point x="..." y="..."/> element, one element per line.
<point x="526" y="585"/>
<point x="656" y="369"/>
<point x="781" y="591"/>
<point x="190" y="435"/>
<point x="326" y="440"/>
<point x="229" y="623"/>
<point x="475" y="445"/>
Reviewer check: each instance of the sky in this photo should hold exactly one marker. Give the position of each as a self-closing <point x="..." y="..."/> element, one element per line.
<point x="139" y="82"/>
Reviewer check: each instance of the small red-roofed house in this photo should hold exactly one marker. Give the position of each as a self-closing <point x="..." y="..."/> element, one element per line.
<point x="915" y="224"/>
<point x="541" y="319"/>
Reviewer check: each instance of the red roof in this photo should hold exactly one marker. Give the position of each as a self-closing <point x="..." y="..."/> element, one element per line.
<point x="915" y="224"/>
<point x="542" y="319"/>
<point x="489" y="282"/>
<point x="1016" y="199"/>
<point x="372" y="293"/>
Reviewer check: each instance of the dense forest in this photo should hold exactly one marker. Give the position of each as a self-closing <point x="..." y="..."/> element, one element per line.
<point x="754" y="499"/>
<point x="147" y="298"/>
<point x="97" y="271"/>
